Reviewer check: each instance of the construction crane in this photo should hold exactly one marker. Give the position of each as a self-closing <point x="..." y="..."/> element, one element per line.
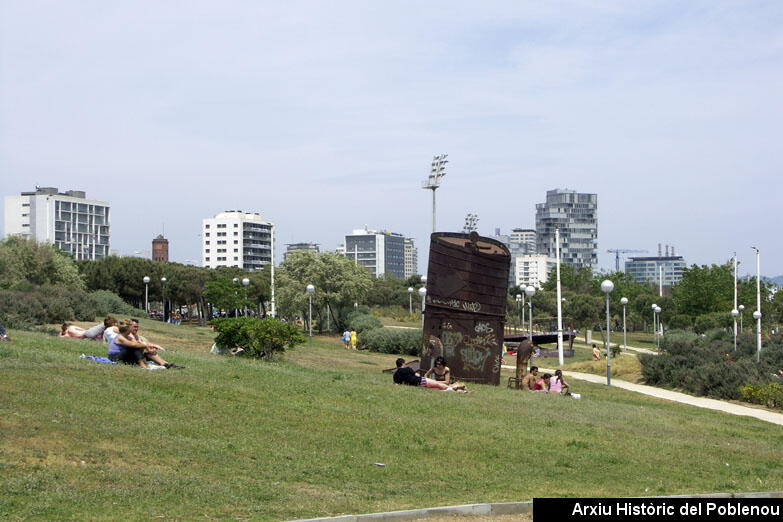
<point x="618" y="251"/>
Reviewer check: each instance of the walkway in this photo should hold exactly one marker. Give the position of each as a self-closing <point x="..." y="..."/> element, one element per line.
<point x="684" y="398"/>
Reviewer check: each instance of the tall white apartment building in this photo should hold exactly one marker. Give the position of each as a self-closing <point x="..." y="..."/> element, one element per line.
<point x="238" y="239"/>
<point x="576" y="215"/>
<point x="411" y="258"/>
<point x="523" y="240"/>
<point x="532" y="269"/>
<point x="70" y="221"/>
<point x="379" y="252"/>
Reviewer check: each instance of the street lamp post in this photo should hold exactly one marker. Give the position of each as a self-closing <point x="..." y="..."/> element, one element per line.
<point x="310" y="290"/>
<point x="530" y="291"/>
<point x="757" y="312"/>
<point x="410" y="300"/>
<point x="433" y="181"/>
<point x="245" y="282"/>
<point x="163" y="281"/>
<point x="660" y="326"/>
<point x="655" y="323"/>
<point x="607" y="286"/>
<point x="741" y="309"/>
<point x="422" y="293"/>
<point x="519" y="301"/>
<point x="624" y="301"/>
<point x="146" y="294"/>
<point x="236" y="293"/>
<point x="734" y="314"/>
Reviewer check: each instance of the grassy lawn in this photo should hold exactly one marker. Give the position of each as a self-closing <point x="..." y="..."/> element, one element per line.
<point x="305" y="435"/>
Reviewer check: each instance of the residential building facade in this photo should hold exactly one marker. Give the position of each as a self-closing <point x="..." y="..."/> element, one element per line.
<point x="411" y="258"/>
<point x="74" y="224"/>
<point x="648" y="269"/>
<point x="379" y="252"/>
<point x="532" y="269"/>
<point x="576" y="215"/>
<point x="237" y="239"/>
<point x="293" y="247"/>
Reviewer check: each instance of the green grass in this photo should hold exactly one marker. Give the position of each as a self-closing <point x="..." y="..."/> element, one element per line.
<point x="301" y="436"/>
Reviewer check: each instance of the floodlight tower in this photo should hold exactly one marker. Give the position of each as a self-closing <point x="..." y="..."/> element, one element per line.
<point x="433" y="181"/>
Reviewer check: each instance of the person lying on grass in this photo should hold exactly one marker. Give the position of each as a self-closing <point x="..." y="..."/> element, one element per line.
<point x="406" y="375"/>
<point x="151" y="353"/>
<point x="94" y="333"/>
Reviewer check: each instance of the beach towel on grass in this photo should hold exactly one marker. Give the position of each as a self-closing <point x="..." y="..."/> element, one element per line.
<point x="97" y="359"/>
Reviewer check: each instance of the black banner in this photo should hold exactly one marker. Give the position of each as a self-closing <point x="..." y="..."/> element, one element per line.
<point x="656" y="509"/>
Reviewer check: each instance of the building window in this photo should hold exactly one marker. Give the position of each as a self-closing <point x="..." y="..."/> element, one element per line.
<point x="235" y="225"/>
<point x="235" y="241"/>
<point x="221" y="225"/>
<point x="206" y="242"/>
<point x="206" y="259"/>
<point x="206" y="226"/>
<point x="207" y="251"/>
<point x="207" y="234"/>
<point x="236" y="258"/>
<point x="236" y="233"/>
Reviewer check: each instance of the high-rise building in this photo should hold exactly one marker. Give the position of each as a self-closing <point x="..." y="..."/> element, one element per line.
<point x="523" y="240"/>
<point x="411" y="258"/>
<point x="236" y="238"/>
<point x="576" y="215"/>
<point x="75" y="224"/>
<point x="292" y="247"/>
<point x="160" y="249"/>
<point x="532" y="269"/>
<point x="379" y="252"/>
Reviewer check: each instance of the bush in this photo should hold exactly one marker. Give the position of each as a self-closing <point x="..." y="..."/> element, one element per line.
<point x="680" y="322"/>
<point x="363" y="322"/>
<point x="105" y="303"/>
<point x="391" y="340"/>
<point x="259" y="337"/>
<point x="770" y="395"/>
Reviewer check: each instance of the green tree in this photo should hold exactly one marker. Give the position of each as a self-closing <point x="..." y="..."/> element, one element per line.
<point x="25" y="261"/>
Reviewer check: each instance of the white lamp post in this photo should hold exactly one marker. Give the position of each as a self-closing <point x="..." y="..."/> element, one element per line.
<point x="734" y="314"/>
<point x="741" y="308"/>
<point x="624" y="301"/>
<point x="236" y="310"/>
<point x="410" y="300"/>
<point x="519" y="302"/>
<point x="146" y="294"/>
<point x="245" y="282"/>
<point x="310" y="290"/>
<point x="530" y="291"/>
<point x="422" y="293"/>
<point x="655" y="324"/>
<point x="163" y="282"/>
<point x="660" y="326"/>
<point x="757" y="312"/>
<point x="606" y="287"/>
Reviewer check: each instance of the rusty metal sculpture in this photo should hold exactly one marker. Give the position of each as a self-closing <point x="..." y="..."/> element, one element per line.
<point x="467" y="283"/>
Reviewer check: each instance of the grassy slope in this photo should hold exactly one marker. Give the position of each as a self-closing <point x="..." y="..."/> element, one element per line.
<point x="230" y="437"/>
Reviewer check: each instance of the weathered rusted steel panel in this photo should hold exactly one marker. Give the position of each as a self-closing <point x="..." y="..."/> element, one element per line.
<point x="467" y="283"/>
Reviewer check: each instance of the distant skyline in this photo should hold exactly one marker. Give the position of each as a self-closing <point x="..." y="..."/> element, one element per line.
<point x="324" y="118"/>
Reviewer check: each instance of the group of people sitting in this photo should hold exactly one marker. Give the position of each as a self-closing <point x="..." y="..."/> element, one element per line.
<point x="554" y="384"/>
<point x="125" y="343"/>
<point x="437" y="378"/>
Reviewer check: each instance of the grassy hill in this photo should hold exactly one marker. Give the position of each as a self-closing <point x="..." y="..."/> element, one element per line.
<point x="305" y="435"/>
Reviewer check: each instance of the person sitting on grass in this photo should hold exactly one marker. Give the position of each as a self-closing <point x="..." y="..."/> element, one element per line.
<point x="3" y="335"/>
<point x="406" y="375"/>
<point x="151" y="353"/>
<point x="531" y="382"/>
<point x="557" y="384"/>
<point x="596" y="353"/>
<point x="124" y="348"/>
<point x="440" y="372"/>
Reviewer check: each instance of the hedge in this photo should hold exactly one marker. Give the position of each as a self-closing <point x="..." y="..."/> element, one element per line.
<point x="391" y="340"/>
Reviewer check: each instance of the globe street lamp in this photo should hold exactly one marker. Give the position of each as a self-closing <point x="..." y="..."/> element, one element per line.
<point x="757" y="317"/>
<point x="245" y="282"/>
<point x="236" y="310"/>
<point x="410" y="300"/>
<point x="530" y="291"/>
<point x="422" y="293"/>
<point x="519" y="301"/>
<point x="310" y="290"/>
<point x="607" y="286"/>
<point x="146" y="294"/>
<point x="624" y="301"/>
<point x="734" y="314"/>
<point x="741" y="308"/>
<point x="163" y="281"/>
<point x="655" y="323"/>
<point x="660" y="327"/>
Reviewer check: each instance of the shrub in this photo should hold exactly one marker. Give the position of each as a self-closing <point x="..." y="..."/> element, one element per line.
<point x="680" y="322"/>
<point x="105" y="303"/>
<point x="704" y="323"/>
<point x="770" y="395"/>
<point x="391" y="340"/>
<point x="259" y="337"/>
<point x="363" y="322"/>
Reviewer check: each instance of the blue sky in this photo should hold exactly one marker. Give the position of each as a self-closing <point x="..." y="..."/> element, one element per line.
<point x="324" y="117"/>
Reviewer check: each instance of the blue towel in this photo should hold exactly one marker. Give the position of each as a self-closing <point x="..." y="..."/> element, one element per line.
<point x="98" y="359"/>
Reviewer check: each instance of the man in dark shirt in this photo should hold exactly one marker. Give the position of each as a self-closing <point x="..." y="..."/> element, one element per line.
<point x="405" y="375"/>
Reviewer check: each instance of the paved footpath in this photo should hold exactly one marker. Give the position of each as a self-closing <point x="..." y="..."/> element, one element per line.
<point x="701" y="402"/>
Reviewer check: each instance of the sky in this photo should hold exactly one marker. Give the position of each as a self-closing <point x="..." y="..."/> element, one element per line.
<point x="324" y="117"/>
